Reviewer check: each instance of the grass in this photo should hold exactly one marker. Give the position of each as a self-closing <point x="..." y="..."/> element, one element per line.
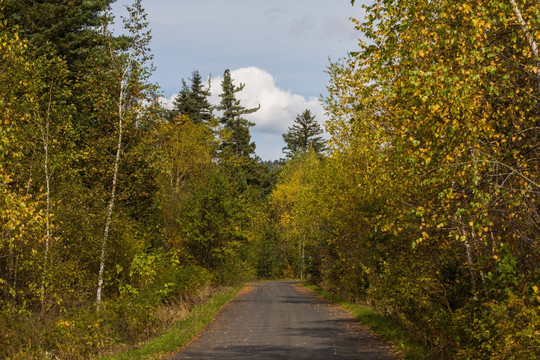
<point x="181" y="333"/>
<point x="383" y="326"/>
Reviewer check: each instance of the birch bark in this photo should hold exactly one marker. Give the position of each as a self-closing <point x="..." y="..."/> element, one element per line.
<point x="45" y="140"/>
<point x="135" y="56"/>
<point x="530" y="38"/>
<point x="110" y="207"/>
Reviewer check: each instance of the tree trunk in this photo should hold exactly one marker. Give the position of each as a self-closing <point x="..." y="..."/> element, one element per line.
<point x="530" y="38"/>
<point x="134" y="26"/>
<point x="45" y="139"/>
<point x="113" y="196"/>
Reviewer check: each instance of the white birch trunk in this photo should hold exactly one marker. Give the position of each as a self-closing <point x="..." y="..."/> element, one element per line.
<point x="110" y="208"/>
<point x="136" y="16"/>
<point x="530" y="38"/>
<point x="45" y="139"/>
<point x="470" y="263"/>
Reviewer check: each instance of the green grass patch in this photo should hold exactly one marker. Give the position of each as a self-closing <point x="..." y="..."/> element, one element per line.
<point x="181" y="333"/>
<point x="381" y="325"/>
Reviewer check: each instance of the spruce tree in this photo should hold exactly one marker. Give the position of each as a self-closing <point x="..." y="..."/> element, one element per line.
<point x="180" y="100"/>
<point x="238" y="141"/>
<point x="193" y="101"/>
<point x="67" y="28"/>
<point x="303" y="135"/>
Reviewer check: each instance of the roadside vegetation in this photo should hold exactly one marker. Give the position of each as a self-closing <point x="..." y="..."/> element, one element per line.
<point x="384" y="326"/>
<point x="425" y="206"/>
<point x="191" y="322"/>
<point x="118" y="216"/>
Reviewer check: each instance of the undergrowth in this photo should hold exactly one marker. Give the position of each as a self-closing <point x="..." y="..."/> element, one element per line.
<point x="182" y="332"/>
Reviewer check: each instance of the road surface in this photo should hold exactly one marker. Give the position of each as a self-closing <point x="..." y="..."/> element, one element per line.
<point x="283" y="320"/>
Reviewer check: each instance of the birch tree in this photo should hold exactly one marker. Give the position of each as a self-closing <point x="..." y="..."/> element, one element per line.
<point x="129" y="72"/>
<point x="50" y="113"/>
<point x="434" y="122"/>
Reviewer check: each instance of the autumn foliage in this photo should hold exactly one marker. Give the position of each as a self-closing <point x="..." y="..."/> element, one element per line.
<point x="427" y="206"/>
<point x="423" y="204"/>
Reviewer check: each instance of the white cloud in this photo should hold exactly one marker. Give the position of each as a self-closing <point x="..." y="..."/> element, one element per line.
<point x="278" y="109"/>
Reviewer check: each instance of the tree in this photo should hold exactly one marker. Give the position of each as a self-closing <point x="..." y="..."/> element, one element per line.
<point x="22" y="214"/>
<point x="184" y="159"/>
<point x="193" y="101"/>
<point x="303" y="135"/>
<point x="237" y="140"/>
<point x="434" y="122"/>
<point x="129" y="75"/>
<point x="67" y="28"/>
<point x="296" y="211"/>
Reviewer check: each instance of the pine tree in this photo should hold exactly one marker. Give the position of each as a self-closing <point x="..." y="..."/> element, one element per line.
<point x="238" y="141"/>
<point x="193" y="101"/>
<point x="303" y="135"/>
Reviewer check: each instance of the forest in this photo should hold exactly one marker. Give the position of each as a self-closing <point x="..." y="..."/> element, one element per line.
<point x="423" y="204"/>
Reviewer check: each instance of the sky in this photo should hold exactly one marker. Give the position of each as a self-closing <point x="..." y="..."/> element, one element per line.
<point x="280" y="50"/>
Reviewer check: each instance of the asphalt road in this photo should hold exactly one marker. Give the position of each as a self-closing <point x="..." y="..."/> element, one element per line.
<point x="283" y="320"/>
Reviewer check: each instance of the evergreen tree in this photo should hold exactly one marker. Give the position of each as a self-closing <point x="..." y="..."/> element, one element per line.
<point x="238" y="139"/>
<point x="193" y="101"/>
<point x="67" y="28"/>
<point x="179" y="101"/>
<point x="303" y="135"/>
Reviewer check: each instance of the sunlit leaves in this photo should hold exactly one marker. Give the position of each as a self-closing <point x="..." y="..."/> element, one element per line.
<point x="440" y="108"/>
